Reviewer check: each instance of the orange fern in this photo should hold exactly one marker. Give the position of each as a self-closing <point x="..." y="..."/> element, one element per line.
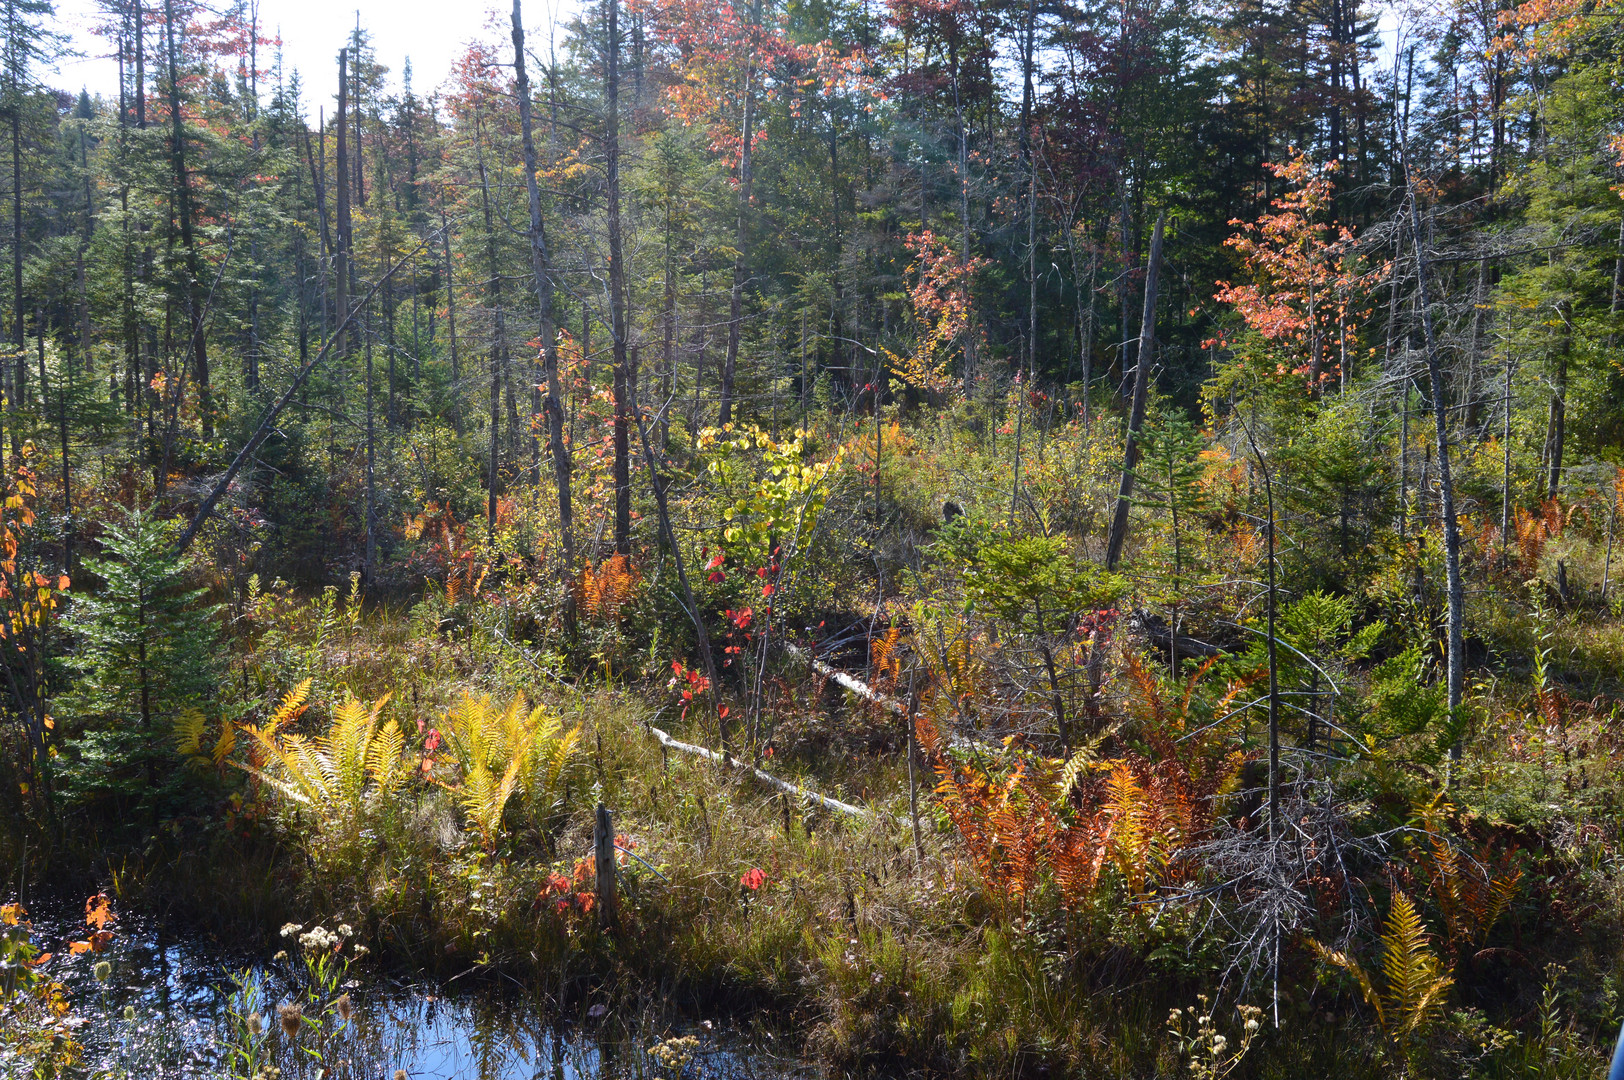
<point x="602" y="590"/>
<point x="1472" y="893"/>
<point x="883" y="658"/>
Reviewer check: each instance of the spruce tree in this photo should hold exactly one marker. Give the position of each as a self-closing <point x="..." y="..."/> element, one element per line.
<point x="146" y="652"/>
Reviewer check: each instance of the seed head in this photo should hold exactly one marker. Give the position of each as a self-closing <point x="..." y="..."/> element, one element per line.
<point x="290" y="1017"/>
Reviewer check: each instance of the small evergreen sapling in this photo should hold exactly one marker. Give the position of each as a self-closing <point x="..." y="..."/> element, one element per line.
<point x="147" y="650"/>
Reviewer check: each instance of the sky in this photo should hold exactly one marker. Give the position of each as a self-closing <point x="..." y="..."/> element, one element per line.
<point x="431" y="32"/>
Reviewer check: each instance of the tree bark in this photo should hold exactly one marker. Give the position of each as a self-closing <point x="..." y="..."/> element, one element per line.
<point x="735" y="298"/>
<point x="541" y="273"/>
<point x="1556" y="422"/>
<point x="617" y="287"/>
<point x="1136" y="414"/>
<point x="498" y="354"/>
<point x="183" y="210"/>
<point x="341" y="242"/>
<point x="1456" y="675"/>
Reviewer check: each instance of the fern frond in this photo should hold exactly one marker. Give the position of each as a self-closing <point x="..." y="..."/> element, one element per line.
<point x="290" y="708"/>
<point x="189" y="732"/>
<point x="383" y="757"/>
<point x="1415" y="985"/>
<point x="1076" y="767"/>
<point x="224" y="745"/>
<point x="1147" y="694"/>
<point x="1367" y="989"/>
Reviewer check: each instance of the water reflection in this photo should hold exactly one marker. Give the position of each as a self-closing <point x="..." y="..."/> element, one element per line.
<point x="180" y="1008"/>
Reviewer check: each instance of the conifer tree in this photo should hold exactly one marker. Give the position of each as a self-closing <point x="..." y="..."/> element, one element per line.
<point x="146" y="652"/>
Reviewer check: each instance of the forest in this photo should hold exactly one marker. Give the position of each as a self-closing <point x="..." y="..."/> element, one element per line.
<point x="1022" y="538"/>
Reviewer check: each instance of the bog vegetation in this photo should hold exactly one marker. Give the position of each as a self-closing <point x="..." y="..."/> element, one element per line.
<point x="1021" y="539"/>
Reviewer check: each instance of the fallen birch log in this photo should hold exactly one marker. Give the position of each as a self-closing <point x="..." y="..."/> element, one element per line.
<point x="856" y="686"/>
<point x="868" y="693"/>
<point x="766" y="778"/>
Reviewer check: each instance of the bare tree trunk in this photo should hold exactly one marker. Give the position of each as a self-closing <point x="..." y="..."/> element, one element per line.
<point x="451" y="317"/>
<point x="493" y="294"/>
<point x="964" y="214"/>
<point x="1557" y="421"/>
<point x="1274" y="667"/>
<point x="617" y="288"/>
<point x="1456" y="676"/>
<point x="541" y="273"/>
<point x="735" y="298"/>
<point x="183" y="210"/>
<point x="1136" y="415"/>
<point x="1505" y="474"/>
<point x="662" y="508"/>
<point x="372" y="451"/>
<point x="341" y="247"/>
<point x="1031" y="252"/>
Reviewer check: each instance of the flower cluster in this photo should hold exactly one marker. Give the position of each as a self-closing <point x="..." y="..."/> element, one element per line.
<point x="318" y="939"/>
<point x="675" y="1053"/>
<point x="1211" y="1055"/>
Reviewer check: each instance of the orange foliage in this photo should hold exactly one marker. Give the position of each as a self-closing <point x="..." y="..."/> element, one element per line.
<point x="1472" y="892"/>
<point x="1533" y="529"/>
<point x="942" y="308"/>
<point x="721" y="59"/>
<point x="1302" y="297"/>
<point x="883" y="658"/>
<point x="604" y="589"/>
<point x="1548" y="29"/>
<point x="1127" y="817"/>
<point x="98" y="917"/>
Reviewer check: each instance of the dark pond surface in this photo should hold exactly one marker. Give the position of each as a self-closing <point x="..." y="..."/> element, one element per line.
<point x="180" y="1008"/>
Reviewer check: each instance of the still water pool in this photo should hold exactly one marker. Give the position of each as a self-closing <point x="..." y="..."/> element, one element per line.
<point x="178" y="1007"/>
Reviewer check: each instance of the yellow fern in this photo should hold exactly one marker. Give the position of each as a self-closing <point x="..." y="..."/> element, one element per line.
<point x="224" y="745"/>
<point x="603" y="590"/>
<point x="328" y="773"/>
<point x="189" y="729"/>
<point x="1414" y="985"/>
<point x="189" y="732"/>
<point x="503" y="751"/>
<point x="291" y="707"/>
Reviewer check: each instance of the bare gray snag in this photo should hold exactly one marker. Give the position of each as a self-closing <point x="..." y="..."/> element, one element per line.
<point x="1446" y="486"/>
<point x="541" y="275"/>
<point x="1141" y="386"/>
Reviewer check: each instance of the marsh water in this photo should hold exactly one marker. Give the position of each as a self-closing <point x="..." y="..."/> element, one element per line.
<point x="174" y="1007"/>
